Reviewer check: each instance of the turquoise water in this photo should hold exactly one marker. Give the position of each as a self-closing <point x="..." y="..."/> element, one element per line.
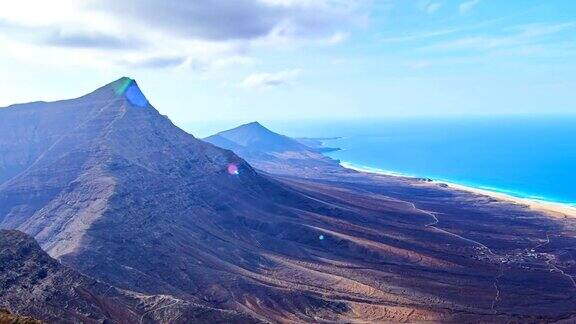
<point x="524" y="157"/>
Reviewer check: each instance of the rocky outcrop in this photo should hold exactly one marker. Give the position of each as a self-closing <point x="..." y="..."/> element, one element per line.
<point x="33" y="283"/>
<point x="6" y="317"/>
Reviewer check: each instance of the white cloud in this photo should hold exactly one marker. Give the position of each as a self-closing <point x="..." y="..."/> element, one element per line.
<point x="433" y="7"/>
<point x="429" y="6"/>
<point x="419" y="64"/>
<point x="467" y="6"/>
<point x="270" y="80"/>
<point x="203" y="34"/>
<point x="420" y="35"/>
<point x="537" y="30"/>
<point x="337" y="38"/>
<point x="516" y="37"/>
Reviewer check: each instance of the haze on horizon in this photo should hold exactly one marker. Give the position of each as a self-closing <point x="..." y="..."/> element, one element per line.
<point x="247" y="60"/>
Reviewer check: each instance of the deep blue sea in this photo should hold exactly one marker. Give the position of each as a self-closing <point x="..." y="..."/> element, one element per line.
<point x="531" y="157"/>
<point x="525" y="157"/>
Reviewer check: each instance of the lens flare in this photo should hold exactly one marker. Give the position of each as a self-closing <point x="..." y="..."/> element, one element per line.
<point x="129" y="88"/>
<point x="233" y="169"/>
<point x="135" y="96"/>
<point x="123" y="85"/>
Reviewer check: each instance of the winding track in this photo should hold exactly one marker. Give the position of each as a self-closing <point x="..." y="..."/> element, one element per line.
<point x="157" y="309"/>
<point x="500" y="272"/>
<point x="552" y="266"/>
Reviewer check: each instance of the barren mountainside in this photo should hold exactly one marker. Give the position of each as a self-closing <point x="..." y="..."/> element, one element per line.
<point x="258" y="137"/>
<point x="113" y="190"/>
<point x="33" y="283"/>
<point x="6" y="317"/>
<point x="273" y="152"/>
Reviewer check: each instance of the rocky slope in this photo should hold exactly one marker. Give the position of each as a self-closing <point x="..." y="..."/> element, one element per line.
<point x="273" y="152"/>
<point x="6" y="317"/>
<point x="32" y="283"/>
<point x="119" y="193"/>
<point x="194" y="233"/>
<point x="519" y="244"/>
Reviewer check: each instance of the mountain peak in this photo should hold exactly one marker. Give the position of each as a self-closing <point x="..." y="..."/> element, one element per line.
<point x="128" y="87"/>
<point x="254" y="126"/>
<point x="272" y="152"/>
<point x="256" y="137"/>
<point x="124" y="87"/>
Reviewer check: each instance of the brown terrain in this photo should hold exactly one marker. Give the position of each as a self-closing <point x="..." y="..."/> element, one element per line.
<point x="32" y="282"/>
<point x="167" y="228"/>
<point x="6" y="317"/>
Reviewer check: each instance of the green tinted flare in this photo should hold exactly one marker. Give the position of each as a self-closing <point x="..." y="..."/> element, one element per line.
<point x="123" y="85"/>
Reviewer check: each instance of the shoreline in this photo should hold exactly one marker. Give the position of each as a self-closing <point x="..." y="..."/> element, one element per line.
<point x="554" y="209"/>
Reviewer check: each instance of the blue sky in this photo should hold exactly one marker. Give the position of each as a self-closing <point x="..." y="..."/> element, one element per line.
<point x="238" y="61"/>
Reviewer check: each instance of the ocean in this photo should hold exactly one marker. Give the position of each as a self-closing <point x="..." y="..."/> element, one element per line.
<point x="528" y="157"/>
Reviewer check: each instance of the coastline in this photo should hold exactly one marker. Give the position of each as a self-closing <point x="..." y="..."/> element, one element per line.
<point x="554" y="209"/>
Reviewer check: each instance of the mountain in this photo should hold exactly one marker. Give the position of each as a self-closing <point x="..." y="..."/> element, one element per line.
<point x="179" y="230"/>
<point x="113" y="189"/>
<point x="505" y="234"/>
<point x="272" y="152"/>
<point x="33" y="283"/>
<point x="255" y="136"/>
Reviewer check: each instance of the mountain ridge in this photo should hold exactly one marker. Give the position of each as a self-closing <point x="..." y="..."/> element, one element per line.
<point x="123" y="189"/>
<point x="29" y="275"/>
<point x="253" y="135"/>
<point x="35" y="284"/>
<point x="273" y="152"/>
<point x="115" y="191"/>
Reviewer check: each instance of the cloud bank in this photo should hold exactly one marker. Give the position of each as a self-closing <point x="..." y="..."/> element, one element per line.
<point x="467" y="6"/>
<point x="168" y="33"/>
<point x="270" y="80"/>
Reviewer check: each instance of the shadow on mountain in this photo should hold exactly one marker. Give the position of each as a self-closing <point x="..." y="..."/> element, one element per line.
<point x="113" y="190"/>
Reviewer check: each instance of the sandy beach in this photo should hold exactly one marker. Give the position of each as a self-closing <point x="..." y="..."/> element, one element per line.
<point x="551" y="208"/>
<point x="558" y="210"/>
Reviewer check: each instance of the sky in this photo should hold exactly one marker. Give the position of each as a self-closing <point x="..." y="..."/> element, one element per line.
<point x="208" y="61"/>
